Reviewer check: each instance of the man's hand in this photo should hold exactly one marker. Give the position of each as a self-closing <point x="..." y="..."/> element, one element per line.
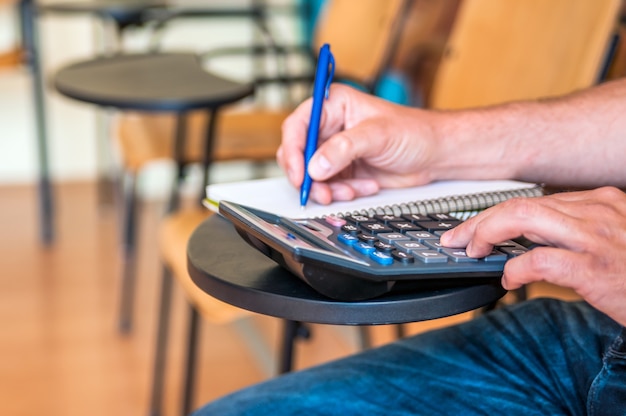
<point x="365" y="143"/>
<point x="583" y="238"/>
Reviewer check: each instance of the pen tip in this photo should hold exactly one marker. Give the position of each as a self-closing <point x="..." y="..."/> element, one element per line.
<point x="302" y="207"/>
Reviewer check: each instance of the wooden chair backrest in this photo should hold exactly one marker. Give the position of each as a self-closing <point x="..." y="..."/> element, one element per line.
<point x="505" y="50"/>
<point x="362" y="35"/>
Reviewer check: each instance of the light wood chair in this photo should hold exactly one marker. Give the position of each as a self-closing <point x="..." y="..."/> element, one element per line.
<point x="253" y="134"/>
<point x="508" y="50"/>
<point x="505" y="50"/>
<point x="371" y="29"/>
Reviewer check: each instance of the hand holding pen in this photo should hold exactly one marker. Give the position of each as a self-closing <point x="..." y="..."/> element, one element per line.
<point x="323" y="78"/>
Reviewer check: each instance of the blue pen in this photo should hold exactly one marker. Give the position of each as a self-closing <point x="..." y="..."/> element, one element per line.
<point x="323" y="78"/>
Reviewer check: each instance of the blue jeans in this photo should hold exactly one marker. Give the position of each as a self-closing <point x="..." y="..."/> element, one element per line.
<point x="541" y="357"/>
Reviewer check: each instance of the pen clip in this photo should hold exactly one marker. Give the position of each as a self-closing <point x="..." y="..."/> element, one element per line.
<point x="331" y="73"/>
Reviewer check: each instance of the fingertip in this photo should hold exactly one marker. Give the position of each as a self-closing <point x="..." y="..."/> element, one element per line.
<point x="447" y="237"/>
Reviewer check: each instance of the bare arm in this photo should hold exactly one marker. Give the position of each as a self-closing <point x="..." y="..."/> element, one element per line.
<point x="367" y="143"/>
<point x="578" y="140"/>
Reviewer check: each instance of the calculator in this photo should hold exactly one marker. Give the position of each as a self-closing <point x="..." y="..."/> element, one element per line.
<point x="357" y="257"/>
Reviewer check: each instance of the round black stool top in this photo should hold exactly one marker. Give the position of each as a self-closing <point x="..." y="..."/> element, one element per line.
<point x="224" y="266"/>
<point x="148" y="82"/>
<point x="122" y="11"/>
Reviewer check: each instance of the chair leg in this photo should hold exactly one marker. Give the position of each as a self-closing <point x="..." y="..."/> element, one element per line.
<point x="292" y="330"/>
<point x="160" y="354"/>
<point x="191" y="360"/>
<point x="400" y="331"/>
<point x="129" y="233"/>
<point x="365" y="340"/>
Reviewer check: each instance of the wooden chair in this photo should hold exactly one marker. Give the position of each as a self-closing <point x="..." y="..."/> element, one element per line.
<point x="508" y="50"/>
<point x="252" y="136"/>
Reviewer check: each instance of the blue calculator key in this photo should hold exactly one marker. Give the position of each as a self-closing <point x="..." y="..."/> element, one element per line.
<point x="347" y="238"/>
<point x="381" y="258"/>
<point x="363" y="248"/>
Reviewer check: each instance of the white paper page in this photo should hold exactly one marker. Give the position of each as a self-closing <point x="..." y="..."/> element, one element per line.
<point x="277" y="196"/>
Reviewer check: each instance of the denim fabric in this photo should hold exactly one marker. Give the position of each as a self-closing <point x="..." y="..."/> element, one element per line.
<point x="541" y="357"/>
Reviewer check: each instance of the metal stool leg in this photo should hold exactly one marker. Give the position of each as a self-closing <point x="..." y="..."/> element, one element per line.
<point x="292" y="330"/>
<point x="191" y="359"/>
<point x="160" y="355"/>
<point x="129" y="233"/>
<point x="30" y="40"/>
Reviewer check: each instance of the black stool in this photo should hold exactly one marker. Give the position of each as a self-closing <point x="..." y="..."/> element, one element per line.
<point x="172" y="82"/>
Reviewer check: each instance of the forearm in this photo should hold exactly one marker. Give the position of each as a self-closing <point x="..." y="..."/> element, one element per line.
<point x="578" y="140"/>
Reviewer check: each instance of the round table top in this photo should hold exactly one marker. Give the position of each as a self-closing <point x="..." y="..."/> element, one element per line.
<point x="138" y="11"/>
<point x="123" y="11"/>
<point x="148" y="82"/>
<point x="223" y="265"/>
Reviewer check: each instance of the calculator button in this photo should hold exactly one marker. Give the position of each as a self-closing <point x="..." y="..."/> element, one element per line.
<point x="405" y="226"/>
<point x="434" y="244"/>
<point x="363" y="248"/>
<point x="385" y="219"/>
<point x="391" y="237"/>
<point x="384" y="247"/>
<point x="350" y="229"/>
<point x="402" y="257"/>
<point x="409" y="246"/>
<point x="415" y="217"/>
<point x="508" y="243"/>
<point x="513" y="251"/>
<point x="458" y="255"/>
<point x="381" y="258"/>
<point x="376" y="228"/>
<point x="496" y="256"/>
<point x="430" y="256"/>
<point x="367" y="238"/>
<point x="439" y="225"/>
<point x="334" y="220"/>
<point x="442" y="217"/>
<point x="347" y="238"/>
<point x="359" y="219"/>
<point x="421" y="236"/>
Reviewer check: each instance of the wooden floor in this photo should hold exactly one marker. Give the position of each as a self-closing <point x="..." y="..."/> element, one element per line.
<point x="60" y="352"/>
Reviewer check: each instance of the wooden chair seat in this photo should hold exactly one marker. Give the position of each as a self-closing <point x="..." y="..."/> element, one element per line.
<point x="174" y="233"/>
<point x="146" y="137"/>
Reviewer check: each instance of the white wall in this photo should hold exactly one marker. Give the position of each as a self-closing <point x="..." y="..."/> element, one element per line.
<point x="72" y="126"/>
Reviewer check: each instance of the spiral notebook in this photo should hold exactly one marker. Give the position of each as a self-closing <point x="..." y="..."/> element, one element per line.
<point x="462" y="198"/>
